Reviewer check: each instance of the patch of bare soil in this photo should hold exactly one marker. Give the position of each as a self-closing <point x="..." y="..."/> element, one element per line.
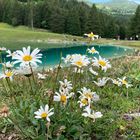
<point x="10" y="136"/>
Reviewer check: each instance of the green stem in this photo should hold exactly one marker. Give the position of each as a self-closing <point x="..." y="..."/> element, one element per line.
<point x="30" y="84"/>
<point x="127" y="94"/>
<point x="32" y="73"/>
<point x="55" y="80"/>
<point x="48" y="131"/>
<point x="43" y="126"/>
<point x="9" y="84"/>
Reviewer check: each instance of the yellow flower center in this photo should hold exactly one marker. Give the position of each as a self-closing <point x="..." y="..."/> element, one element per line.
<point x="63" y="98"/>
<point x="9" y="74"/>
<point x="84" y="101"/>
<point x="79" y="63"/>
<point x="44" y="115"/>
<point x="124" y="82"/>
<point x="27" y="58"/>
<point x="88" y="95"/>
<point x="93" y="50"/>
<point x="102" y="63"/>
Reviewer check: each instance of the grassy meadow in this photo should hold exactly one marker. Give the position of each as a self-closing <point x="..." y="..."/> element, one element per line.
<point x="18" y="37"/>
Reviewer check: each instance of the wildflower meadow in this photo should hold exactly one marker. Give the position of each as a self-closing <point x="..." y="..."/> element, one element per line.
<point x="82" y="98"/>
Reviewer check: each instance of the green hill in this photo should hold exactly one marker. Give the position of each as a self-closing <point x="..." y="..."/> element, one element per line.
<point x="123" y="7"/>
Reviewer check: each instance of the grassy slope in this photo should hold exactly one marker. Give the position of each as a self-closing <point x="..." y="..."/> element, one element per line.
<point x="15" y="37"/>
<point x="18" y="37"/>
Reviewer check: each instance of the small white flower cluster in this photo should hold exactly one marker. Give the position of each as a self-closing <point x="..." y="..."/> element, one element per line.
<point x="28" y="62"/>
<point x="77" y="60"/>
<point x="101" y="81"/>
<point x="86" y="98"/>
<point x="63" y="96"/>
<point x="124" y="82"/>
<point x="64" y="92"/>
<point x="81" y="61"/>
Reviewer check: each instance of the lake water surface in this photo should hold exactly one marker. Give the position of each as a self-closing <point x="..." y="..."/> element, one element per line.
<point x="51" y="56"/>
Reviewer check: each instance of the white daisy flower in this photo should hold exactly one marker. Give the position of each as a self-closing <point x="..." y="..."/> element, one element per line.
<point x="87" y="93"/>
<point x="101" y="62"/>
<point x="7" y="74"/>
<point x="61" y="97"/>
<point x="84" y="102"/>
<point x="116" y="82"/>
<point x="91" y="113"/>
<point x="26" y="57"/>
<point x="41" y="76"/>
<point x="44" y="113"/>
<point x="92" y="71"/>
<point x="92" y="51"/>
<point x="25" y="70"/>
<point x="67" y="59"/>
<point x="65" y="85"/>
<point x="79" y="60"/>
<point x="10" y="54"/>
<point x="8" y="65"/>
<point x="124" y="82"/>
<point x="101" y="81"/>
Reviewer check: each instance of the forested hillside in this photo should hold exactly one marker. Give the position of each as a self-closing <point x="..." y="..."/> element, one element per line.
<point x="62" y="16"/>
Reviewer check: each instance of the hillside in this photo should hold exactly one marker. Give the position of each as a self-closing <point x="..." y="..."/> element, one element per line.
<point x="17" y="37"/>
<point x="123" y="7"/>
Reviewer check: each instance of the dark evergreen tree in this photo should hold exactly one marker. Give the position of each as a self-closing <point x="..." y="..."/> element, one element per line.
<point x="57" y="21"/>
<point x="122" y="32"/>
<point x="135" y="23"/>
<point x="73" y="22"/>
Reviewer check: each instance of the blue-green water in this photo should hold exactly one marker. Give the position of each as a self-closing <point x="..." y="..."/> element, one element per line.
<point x="51" y="56"/>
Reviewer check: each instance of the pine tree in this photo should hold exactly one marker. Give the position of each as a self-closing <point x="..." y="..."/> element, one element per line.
<point x="135" y="22"/>
<point x="83" y="17"/>
<point x="73" y="22"/>
<point x="57" y="21"/>
<point x="93" y="22"/>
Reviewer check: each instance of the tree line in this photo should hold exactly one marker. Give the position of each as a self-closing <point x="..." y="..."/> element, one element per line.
<point x="66" y="16"/>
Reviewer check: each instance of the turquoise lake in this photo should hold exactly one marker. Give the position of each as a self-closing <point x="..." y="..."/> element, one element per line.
<point x="51" y="57"/>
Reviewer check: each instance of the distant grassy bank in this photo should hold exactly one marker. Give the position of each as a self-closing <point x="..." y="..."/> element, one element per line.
<point x="128" y="43"/>
<point x="17" y="37"/>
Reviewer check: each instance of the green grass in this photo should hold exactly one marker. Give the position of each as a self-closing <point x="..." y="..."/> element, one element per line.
<point x="21" y="36"/>
<point x="134" y="44"/>
<point x="17" y="37"/>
